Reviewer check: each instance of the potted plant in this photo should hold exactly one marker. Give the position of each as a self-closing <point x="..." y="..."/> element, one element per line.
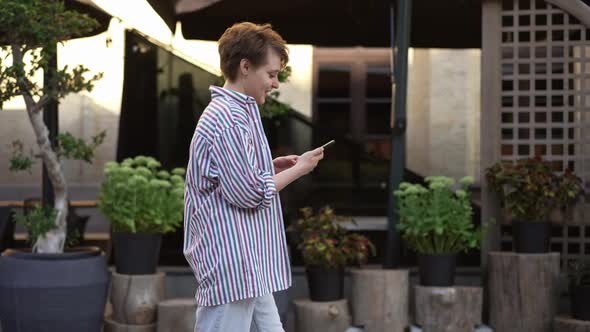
<point x="529" y="190"/>
<point x="326" y="249"/>
<point x="436" y="222"/>
<point x="579" y="288"/>
<point x="33" y="282"/>
<point x="142" y="202"/>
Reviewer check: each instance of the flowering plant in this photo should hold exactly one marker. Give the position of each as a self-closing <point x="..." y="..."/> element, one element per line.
<point x="529" y="190"/>
<point x="326" y="244"/>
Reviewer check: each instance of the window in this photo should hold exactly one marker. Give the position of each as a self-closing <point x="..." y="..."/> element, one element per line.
<point x="352" y="104"/>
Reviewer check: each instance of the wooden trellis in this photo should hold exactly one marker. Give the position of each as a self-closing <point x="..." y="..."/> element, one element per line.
<point x="536" y="101"/>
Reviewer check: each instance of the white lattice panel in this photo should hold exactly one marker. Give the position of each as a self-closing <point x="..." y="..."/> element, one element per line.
<point x="545" y="106"/>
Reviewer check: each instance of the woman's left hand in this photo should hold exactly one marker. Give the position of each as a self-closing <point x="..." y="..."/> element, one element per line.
<point x="284" y="163"/>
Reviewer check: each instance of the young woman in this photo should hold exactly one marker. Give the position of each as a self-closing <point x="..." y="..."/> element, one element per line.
<point x="234" y="237"/>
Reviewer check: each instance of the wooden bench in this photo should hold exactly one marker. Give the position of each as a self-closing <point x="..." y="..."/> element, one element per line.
<point x="92" y="203"/>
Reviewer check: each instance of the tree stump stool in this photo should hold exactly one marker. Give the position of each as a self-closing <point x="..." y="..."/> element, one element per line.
<point x="523" y="291"/>
<point x="135" y="298"/>
<point x="313" y="316"/>
<point x="481" y="328"/>
<point x="112" y="326"/>
<point x="379" y="299"/>
<point x="569" y="324"/>
<point x="448" y="309"/>
<point x="177" y="315"/>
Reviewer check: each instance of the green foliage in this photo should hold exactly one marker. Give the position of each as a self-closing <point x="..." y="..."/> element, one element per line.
<point x="138" y="197"/>
<point x="73" y="238"/>
<point x="284" y="74"/>
<point x="529" y="190"/>
<point x="32" y="27"/>
<point x="75" y="148"/>
<point x="39" y="221"/>
<point x="272" y="107"/>
<point x="437" y="219"/>
<point x="324" y="243"/>
<point x="40" y="22"/>
<point x="69" y="147"/>
<point x="19" y="160"/>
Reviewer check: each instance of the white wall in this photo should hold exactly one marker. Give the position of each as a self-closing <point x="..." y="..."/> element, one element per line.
<point x="443" y="112"/>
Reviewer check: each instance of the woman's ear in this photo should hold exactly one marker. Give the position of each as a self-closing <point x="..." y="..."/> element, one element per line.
<point x="244" y="67"/>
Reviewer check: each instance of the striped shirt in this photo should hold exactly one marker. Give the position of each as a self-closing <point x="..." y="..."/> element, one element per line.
<point x="234" y="237"/>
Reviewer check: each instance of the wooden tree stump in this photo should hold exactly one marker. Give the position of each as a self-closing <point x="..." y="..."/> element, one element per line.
<point x="177" y="315"/>
<point x="135" y="297"/>
<point x="481" y="328"/>
<point x="112" y="326"/>
<point x="379" y="299"/>
<point x="321" y="316"/>
<point x="448" y="309"/>
<point x="568" y="324"/>
<point x="523" y="291"/>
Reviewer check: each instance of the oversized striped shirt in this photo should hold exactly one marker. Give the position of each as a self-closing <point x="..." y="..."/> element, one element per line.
<point x="234" y="236"/>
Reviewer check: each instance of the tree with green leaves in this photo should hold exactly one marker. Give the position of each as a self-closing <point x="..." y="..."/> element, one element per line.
<point x="29" y="31"/>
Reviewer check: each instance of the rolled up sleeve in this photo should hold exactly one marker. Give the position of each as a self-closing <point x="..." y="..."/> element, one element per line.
<point x="242" y="182"/>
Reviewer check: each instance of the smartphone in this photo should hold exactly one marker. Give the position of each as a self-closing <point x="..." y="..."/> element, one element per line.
<point x="330" y="143"/>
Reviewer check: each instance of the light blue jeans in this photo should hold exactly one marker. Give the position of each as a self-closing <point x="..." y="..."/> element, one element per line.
<point x="257" y="314"/>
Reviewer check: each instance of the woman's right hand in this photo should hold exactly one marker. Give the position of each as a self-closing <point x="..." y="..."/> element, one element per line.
<point x="309" y="160"/>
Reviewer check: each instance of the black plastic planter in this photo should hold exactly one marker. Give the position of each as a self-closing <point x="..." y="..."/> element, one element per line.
<point x="6" y="228"/>
<point x="325" y="284"/>
<point x="580" y="302"/>
<point x="531" y="237"/>
<point x="136" y="253"/>
<point x="53" y="292"/>
<point x="437" y="270"/>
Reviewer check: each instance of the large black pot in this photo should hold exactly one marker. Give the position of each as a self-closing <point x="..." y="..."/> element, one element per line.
<point x="531" y="237"/>
<point x="580" y="302"/>
<point x="53" y="292"/>
<point x="136" y="253"/>
<point x="6" y="228"/>
<point x="325" y="284"/>
<point x="437" y="270"/>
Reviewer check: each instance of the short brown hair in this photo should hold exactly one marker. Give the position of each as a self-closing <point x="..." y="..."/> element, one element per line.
<point x="249" y="41"/>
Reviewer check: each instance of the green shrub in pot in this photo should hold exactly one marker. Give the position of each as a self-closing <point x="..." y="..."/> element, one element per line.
<point x="142" y="201"/>
<point x="436" y="222"/>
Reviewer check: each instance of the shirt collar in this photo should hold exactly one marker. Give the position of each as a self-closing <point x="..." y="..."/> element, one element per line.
<point x="239" y="97"/>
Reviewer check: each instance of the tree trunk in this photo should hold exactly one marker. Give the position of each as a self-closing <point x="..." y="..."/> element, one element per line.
<point x="523" y="291"/>
<point x="379" y="299"/>
<point x="330" y="316"/>
<point x="568" y="324"/>
<point x="177" y="315"/>
<point x="448" y="309"/>
<point x="135" y="298"/>
<point x="53" y="241"/>
<point x="112" y="326"/>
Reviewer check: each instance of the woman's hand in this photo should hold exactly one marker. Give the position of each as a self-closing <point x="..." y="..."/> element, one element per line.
<point x="309" y="160"/>
<point x="303" y="165"/>
<point x="284" y="163"/>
